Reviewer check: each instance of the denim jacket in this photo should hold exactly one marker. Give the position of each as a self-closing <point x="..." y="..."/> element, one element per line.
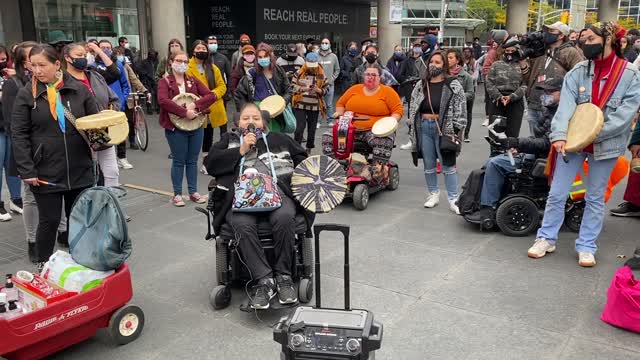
<point x="618" y="112"/>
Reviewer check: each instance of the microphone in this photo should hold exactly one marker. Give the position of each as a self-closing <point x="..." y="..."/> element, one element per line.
<point x="252" y="129"/>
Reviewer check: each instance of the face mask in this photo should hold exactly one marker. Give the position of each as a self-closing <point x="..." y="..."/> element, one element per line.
<point x="417" y="51"/>
<point x="549" y="38"/>
<point x="258" y="131"/>
<point x="353" y="52"/>
<point x="249" y="58"/>
<point x="370" y="82"/>
<point x="264" y="62"/>
<point x="120" y="58"/>
<point x="324" y="47"/>
<point x="152" y="57"/>
<point x="636" y="46"/>
<point x="398" y="54"/>
<point x="212" y="47"/>
<point x="79" y="63"/>
<point x="304" y="50"/>
<point x="108" y="52"/>
<point x="547" y="100"/>
<point x="202" y="55"/>
<point x="435" y="71"/>
<point x="127" y="45"/>
<point x="179" y="68"/>
<point x="371" y="58"/>
<point x="591" y="51"/>
<point x="3" y="65"/>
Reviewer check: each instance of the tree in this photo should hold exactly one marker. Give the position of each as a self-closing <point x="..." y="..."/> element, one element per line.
<point x="486" y="10"/>
<point x="548" y="10"/>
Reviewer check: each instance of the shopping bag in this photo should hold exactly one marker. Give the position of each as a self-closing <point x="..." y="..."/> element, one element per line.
<point x="623" y="301"/>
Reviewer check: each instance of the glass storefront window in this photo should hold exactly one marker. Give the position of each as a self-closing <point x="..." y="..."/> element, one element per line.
<point x="80" y="20"/>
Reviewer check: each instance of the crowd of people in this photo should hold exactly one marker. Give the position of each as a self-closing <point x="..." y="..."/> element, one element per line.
<point x="48" y="161"/>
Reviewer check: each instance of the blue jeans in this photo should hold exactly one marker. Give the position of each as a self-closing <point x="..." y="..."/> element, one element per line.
<point x="596" y="184"/>
<point x="328" y="99"/>
<point x="497" y="169"/>
<point x="13" y="182"/>
<point x="534" y="117"/>
<point x="430" y="153"/>
<point x="185" y="147"/>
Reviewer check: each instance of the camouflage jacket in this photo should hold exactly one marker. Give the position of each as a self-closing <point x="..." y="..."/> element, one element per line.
<point x="505" y="79"/>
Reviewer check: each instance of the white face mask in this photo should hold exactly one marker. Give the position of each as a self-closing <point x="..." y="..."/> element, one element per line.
<point x="127" y="45"/>
<point x="179" y="68"/>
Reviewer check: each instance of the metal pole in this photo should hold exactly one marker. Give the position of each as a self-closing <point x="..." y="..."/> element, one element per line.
<point x="443" y="14"/>
<point x="539" y="26"/>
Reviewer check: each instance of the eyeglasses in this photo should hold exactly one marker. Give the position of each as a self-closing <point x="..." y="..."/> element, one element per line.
<point x="371" y="75"/>
<point x="181" y="61"/>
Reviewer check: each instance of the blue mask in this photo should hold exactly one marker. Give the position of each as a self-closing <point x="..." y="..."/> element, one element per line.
<point x="324" y="47"/>
<point x="264" y="62"/>
<point x="213" y="47"/>
<point x="547" y="100"/>
<point x="398" y="54"/>
<point x="353" y="52"/>
<point x="108" y="52"/>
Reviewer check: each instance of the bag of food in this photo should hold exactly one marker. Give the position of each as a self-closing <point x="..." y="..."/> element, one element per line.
<point x="71" y="276"/>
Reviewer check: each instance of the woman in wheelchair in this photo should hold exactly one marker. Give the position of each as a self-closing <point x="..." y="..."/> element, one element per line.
<point x="274" y="152"/>
<point x="375" y="101"/>
<point x="537" y="145"/>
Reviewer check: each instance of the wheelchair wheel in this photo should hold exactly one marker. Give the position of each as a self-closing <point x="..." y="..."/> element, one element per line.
<point x="394" y="178"/>
<point x="305" y="290"/>
<point x="220" y="297"/>
<point x="222" y="262"/>
<point x="517" y="216"/>
<point x="361" y="196"/>
<point x="573" y="216"/>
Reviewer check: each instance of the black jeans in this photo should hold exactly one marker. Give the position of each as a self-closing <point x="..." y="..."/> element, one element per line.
<point x="121" y="149"/>
<point x="309" y="119"/>
<point x="283" y="225"/>
<point x="207" y="140"/>
<point x="49" y="217"/>
<point x="469" y="117"/>
<point x="513" y="112"/>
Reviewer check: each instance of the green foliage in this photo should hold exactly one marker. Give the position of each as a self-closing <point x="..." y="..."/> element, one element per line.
<point x="487" y="10"/>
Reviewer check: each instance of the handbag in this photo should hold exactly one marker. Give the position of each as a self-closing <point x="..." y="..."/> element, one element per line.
<point x="448" y="143"/>
<point x="254" y="191"/>
<point x="623" y="301"/>
<point x="290" y="122"/>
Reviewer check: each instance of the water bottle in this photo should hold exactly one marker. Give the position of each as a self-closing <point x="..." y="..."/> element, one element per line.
<point x="10" y="290"/>
<point x="3" y="306"/>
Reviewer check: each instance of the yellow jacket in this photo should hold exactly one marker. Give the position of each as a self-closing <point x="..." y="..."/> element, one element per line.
<point x="218" y="114"/>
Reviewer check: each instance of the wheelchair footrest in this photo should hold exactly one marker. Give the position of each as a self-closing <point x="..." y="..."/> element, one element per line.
<point x="273" y="305"/>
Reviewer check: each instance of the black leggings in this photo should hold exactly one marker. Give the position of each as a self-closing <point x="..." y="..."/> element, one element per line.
<point x="49" y="217"/>
<point x="121" y="149"/>
<point x="469" y="117"/>
<point x="308" y="119"/>
<point x="207" y="140"/>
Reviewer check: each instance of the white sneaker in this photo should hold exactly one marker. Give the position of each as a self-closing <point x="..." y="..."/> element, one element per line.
<point x="124" y="164"/>
<point x="330" y="124"/>
<point x="203" y="170"/>
<point x="406" y="146"/>
<point x="540" y="248"/>
<point x="485" y="123"/>
<point x="319" y="125"/>
<point x="4" y="215"/>
<point x="586" y="259"/>
<point x="16" y="206"/>
<point x="453" y="207"/>
<point x="432" y="199"/>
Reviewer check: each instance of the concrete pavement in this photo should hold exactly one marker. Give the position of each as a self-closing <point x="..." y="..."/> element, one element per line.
<point x="443" y="289"/>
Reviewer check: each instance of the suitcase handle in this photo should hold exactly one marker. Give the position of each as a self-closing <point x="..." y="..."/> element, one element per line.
<point x="344" y="229"/>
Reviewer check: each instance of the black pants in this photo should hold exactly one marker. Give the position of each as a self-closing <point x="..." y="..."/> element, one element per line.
<point x="121" y="149"/>
<point x="283" y="225"/>
<point x="513" y="112"/>
<point x="49" y="217"/>
<point x="469" y="117"/>
<point x="207" y="140"/>
<point x="308" y="119"/>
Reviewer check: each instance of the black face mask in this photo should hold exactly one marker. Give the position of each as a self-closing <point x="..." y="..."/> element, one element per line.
<point x="592" y="51"/>
<point x="79" y="63"/>
<point x="201" y="55"/>
<point x="3" y="65"/>
<point x="371" y="58"/>
<point x="549" y="38"/>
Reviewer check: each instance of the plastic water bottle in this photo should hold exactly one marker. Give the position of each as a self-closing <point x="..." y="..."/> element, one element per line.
<point x="10" y="290"/>
<point x="3" y="306"/>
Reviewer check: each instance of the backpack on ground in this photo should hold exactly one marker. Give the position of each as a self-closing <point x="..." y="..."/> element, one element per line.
<point x="98" y="234"/>
<point x="469" y="200"/>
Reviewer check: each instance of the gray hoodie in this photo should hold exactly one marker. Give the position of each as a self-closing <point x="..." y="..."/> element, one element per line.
<point x="330" y="65"/>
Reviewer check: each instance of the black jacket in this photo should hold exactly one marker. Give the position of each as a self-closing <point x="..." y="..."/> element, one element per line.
<point x="538" y="144"/>
<point x="347" y="67"/>
<point x="41" y="149"/>
<point x="224" y="65"/>
<point x="246" y="87"/>
<point x="111" y="73"/>
<point x="223" y="163"/>
<point x="9" y="93"/>
<point x="146" y="72"/>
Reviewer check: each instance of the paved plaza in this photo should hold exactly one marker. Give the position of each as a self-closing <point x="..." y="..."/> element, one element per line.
<point x="442" y="288"/>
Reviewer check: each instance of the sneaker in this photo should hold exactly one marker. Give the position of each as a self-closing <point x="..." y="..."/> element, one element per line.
<point x="203" y="170"/>
<point x="198" y="199"/>
<point x="287" y="293"/>
<point x="177" y="201"/>
<point x="453" y="207"/>
<point x="32" y="253"/>
<point x="432" y="199"/>
<point x="467" y="140"/>
<point x="63" y="239"/>
<point x="319" y="125"/>
<point x="15" y="205"/>
<point x="485" y="212"/>
<point x="124" y="164"/>
<point x="626" y="209"/>
<point x="39" y="266"/>
<point x="406" y="146"/>
<point x="133" y="146"/>
<point x="586" y="259"/>
<point x="4" y="215"/>
<point x="329" y="123"/>
<point x="170" y="156"/>
<point x="636" y="254"/>
<point x="485" y="123"/>
<point x="540" y="248"/>
<point x="262" y="294"/>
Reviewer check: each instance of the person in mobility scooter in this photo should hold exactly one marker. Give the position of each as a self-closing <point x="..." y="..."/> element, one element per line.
<point x="242" y="159"/>
<point x="521" y="217"/>
<point x="361" y="106"/>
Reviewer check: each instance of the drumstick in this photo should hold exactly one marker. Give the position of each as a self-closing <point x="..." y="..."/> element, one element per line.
<point x="46" y="182"/>
<point x="564" y="157"/>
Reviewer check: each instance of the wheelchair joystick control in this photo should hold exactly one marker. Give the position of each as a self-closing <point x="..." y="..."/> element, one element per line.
<point x="353" y="345"/>
<point x="297" y="340"/>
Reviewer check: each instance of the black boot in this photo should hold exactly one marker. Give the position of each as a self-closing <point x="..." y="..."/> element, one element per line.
<point x="486" y="212"/>
<point x="32" y="253"/>
<point x="63" y="239"/>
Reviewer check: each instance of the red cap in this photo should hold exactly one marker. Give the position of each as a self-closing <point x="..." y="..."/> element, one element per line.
<point x="245" y="37"/>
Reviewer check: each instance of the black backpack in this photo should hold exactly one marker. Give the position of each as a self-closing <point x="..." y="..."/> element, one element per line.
<point x="469" y="199"/>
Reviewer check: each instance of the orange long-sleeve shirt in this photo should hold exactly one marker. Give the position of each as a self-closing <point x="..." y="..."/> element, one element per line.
<point x="381" y="104"/>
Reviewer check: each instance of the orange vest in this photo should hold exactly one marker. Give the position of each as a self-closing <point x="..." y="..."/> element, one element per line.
<point x="619" y="172"/>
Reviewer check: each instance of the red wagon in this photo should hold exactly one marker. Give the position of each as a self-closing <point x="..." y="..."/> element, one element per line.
<point x="70" y="321"/>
